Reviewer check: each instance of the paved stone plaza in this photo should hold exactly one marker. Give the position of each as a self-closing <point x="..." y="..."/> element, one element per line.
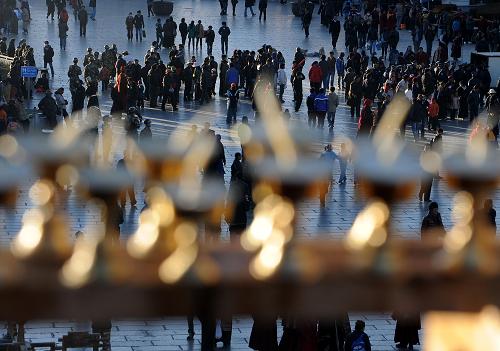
<point x="283" y="31"/>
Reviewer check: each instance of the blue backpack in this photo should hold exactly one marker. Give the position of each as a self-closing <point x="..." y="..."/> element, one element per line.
<point x="359" y="344"/>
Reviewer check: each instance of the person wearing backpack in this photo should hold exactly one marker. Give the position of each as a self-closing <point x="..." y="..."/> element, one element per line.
<point x="358" y="340"/>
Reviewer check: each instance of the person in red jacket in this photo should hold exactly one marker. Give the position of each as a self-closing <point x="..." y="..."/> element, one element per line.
<point x="315" y="75"/>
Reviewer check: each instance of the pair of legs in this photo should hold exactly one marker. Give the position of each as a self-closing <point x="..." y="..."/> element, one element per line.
<point x="251" y="10"/>
<point x="262" y="12"/>
<point x="138" y="34"/>
<point x="321" y="119"/>
<point x="49" y="63"/>
<point x="331" y="119"/>
<point x="83" y="30"/>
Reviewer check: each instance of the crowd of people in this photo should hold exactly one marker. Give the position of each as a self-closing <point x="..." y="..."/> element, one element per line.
<point x="366" y="74"/>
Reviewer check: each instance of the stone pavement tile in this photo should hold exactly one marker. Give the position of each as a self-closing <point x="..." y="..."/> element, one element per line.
<point x="135" y="343"/>
<point x="139" y="327"/>
<point x="157" y="348"/>
<point x="383" y="348"/>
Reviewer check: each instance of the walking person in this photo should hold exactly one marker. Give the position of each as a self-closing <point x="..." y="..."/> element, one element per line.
<point x="138" y="25"/>
<point x="150" y="8"/>
<point x="224" y="33"/>
<point x="407" y="327"/>
<point x="93" y="9"/>
<point x="159" y="33"/>
<point x="48" y="55"/>
<point x="63" y="34"/>
<point x="297" y="78"/>
<point x="311" y="113"/>
<point x="129" y="25"/>
<point x="249" y="5"/>
<point x="334" y="30"/>
<point x="425" y="181"/>
<point x="83" y="18"/>
<point x="340" y="67"/>
<point x="321" y="107"/>
<point x="209" y="39"/>
<point x="306" y="21"/>
<point x="233" y="97"/>
<point x="51" y="8"/>
<point x="233" y="4"/>
<point x="333" y="103"/>
<point x="191" y="34"/>
<point x="122" y="165"/>
<point x="25" y="17"/>
<point x="315" y="76"/>
<point x="343" y="158"/>
<point x="281" y="81"/>
<point x="223" y="7"/>
<point x="183" y="29"/>
<point x="262" y="9"/>
<point x="200" y="33"/>
<point x="355" y="95"/>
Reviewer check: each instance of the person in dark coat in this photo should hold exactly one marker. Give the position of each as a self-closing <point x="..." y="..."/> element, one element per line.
<point x="236" y="208"/>
<point x="78" y="98"/>
<point x="334" y="30"/>
<point x="425" y="182"/>
<point x="183" y="29"/>
<point x="297" y="78"/>
<point x="83" y="17"/>
<point x="306" y="22"/>
<point x="355" y="95"/>
<point x="48" y="106"/>
<point x="332" y="333"/>
<point x="489" y="214"/>
<point x="365" y="122"/>
<point x="248" y="5"/>
<point x="406" y="333"/>
<point x="432" y="223"/>
<point x="262" y="9"/>
<point x="51" y="8"/>
<point x="264" y="334"/>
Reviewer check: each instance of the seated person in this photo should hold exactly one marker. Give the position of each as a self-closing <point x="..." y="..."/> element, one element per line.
<point x="42" y="84"/>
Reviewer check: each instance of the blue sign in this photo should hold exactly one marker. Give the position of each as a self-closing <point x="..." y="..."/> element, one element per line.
<point x="29" y="71"/>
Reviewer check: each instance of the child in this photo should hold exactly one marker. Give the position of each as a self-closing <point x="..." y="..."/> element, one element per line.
<point x="343" y="159"/>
